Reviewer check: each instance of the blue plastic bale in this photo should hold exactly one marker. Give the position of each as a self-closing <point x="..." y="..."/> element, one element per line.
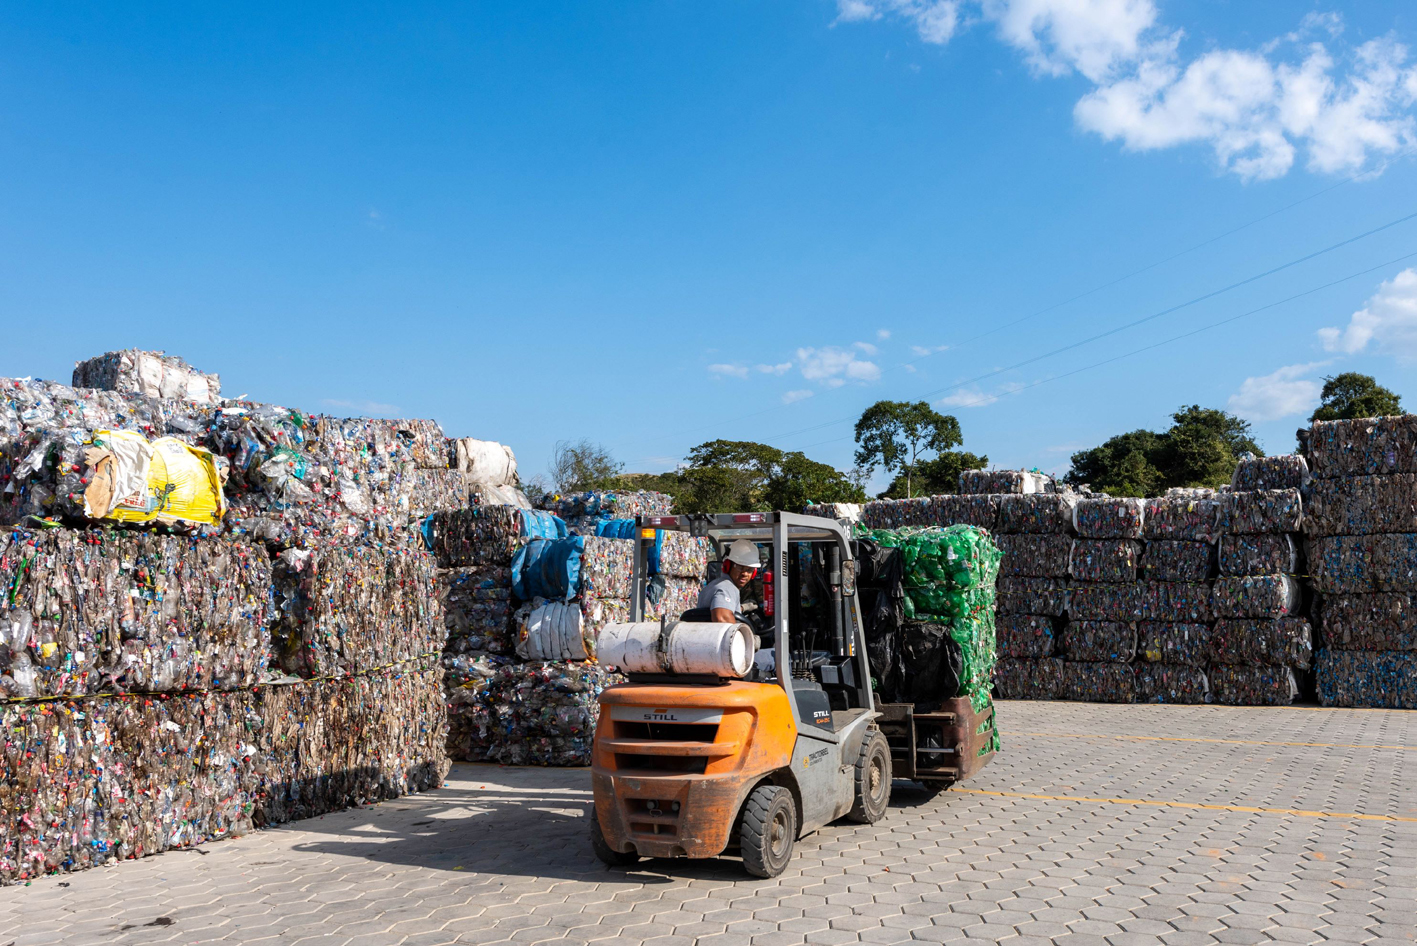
<point x="548" y="568"/>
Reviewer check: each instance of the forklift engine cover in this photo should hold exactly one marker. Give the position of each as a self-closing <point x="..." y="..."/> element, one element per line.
<point x="684" y="759"/>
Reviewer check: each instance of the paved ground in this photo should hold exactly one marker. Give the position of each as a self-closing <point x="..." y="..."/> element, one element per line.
<point x="1124" y="825"/>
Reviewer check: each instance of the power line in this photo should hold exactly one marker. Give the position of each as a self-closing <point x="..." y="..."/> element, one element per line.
<point x="1083" y="295"/>
<point x="1147" y="318"/>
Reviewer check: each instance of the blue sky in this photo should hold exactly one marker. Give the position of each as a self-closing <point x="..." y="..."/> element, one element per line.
<point x="654" y="224"/>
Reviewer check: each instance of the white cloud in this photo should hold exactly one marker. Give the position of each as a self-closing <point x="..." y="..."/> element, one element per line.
<point x="883" y="334"/>
<point x="1284" y="393"/>
<point x="729" y="371"/>
<point x="780" y="369"/>
<point x="835" y="366"/>
<point x="364" y="408"/>
<point x="867" y="347"/>
<point x="934" y="20"/>
<point x="923" y="350"/>
<point x="1389" y="320"/>
<point x="1345" y="107"/>
<point x="968" y="397"/>
<point x="791" y="397"/>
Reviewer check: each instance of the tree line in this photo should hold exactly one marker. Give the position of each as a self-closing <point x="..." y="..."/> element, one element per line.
<point x="919" y="447"/>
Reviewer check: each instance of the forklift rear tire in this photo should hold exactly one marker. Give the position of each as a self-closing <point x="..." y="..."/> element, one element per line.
<point x="873" y="779"/>
<point x="604" y="851"/>
<point x="768" y="831"/>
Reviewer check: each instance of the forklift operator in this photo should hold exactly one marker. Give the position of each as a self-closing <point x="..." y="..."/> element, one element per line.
<point x="722" y="596"/>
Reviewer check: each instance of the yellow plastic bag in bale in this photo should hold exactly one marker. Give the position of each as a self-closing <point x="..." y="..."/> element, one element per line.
<point x="183" y="483"/>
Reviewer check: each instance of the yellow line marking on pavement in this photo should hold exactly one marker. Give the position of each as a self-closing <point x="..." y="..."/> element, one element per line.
<point x="1230" y="742"/>
<point x="1187" y="804"/>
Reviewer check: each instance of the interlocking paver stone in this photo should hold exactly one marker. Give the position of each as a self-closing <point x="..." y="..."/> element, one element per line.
<point x="500" y="855"/>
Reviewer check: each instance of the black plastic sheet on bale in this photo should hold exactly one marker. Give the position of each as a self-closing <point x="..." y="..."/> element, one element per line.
<point x="1104" y="559"/>
<point x="1036" y="514"/>
<point x="1177" y="560"/>
<point x="1108" y="518"/>
<point x="1284" y="471"/>
<point x="1261" y="511"/>
<point x="1364" y="446"/>
<point x="1112" y="601"/>
<point x="1034" y="556"/>
<point x="1177" y="601"/>
<point x="89" y="611"/>
<point x="933" y="663"/>
<point x="1004" y="481"/>
<point x="1177" y="645"/>
<point x="1026" y="635"/>
<point x="1102" y="682"/>
<point x="1367" y="678"/>
<point x="1386" y="621"/>
<point x="351" y="609"/>
<point x="1253" y="686"/>
<point x="1016" y="679"/>
<point x="1287" y="642"/>
<point x="1362" y="505"/>
<point x="478" y="608"/>
<point x="1171" y="683"/>
<point x="1098" y="641"/>
<point x="1181" y="517"/>
<point x="1033" y="596"/>
<point x="1256" y="596"/>
<point x="1242" y="555"/>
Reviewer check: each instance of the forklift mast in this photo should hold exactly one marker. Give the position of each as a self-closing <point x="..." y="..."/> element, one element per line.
<point x="821" y="672"/>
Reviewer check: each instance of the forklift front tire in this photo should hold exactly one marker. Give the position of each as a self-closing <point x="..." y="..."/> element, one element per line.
<point x="603" y="850"/>
<point x="873" y="779"/>
<point x="769" y="830"/>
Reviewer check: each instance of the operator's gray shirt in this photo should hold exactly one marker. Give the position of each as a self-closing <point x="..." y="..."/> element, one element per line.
<point x="721" y="593"/>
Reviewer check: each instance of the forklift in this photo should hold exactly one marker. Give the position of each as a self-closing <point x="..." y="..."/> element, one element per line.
<point x="693" y="766"/>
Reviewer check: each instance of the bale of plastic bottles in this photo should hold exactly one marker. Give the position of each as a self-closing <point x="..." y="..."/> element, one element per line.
<point x="1362" y="505"/>
<point x="486" y="535"/>
<point x="1004" y="481"/>
<point x="1036" y="514"/>
<point x="1261" y="511"/>
<point x="1367" y="678"/>
<point x="1253" y="685"/>
<point x="1287" y="642"/>
<point x="1097" y="682"/>
<point x="1046" y="596"/>
<point x="1171" y="683"/>
<point x="1109" y="518"/>
<point x="1025" y="635"/>
<point x="1178" y="645"/>
<point x="1363" y="447"/>
<point x="352" y="608"/>
<point x="1018" y="679"/>
<point x="90" y="611"/>
<point x="1035" y="556"/>
<point x="1378" y="622"/>
<point x="1284" y="471"/>
<point x="1104" y="559"/>
<point x="1259" y="555"/>
<point x="1177" y="560"/>
<point x="1256" y="596"/>
<point x="1181" y="517"/>
<point x="1098" y="641"/>
<point x="477" y="604"/>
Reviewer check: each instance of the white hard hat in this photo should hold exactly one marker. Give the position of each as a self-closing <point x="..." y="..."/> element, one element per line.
<point x="744" y="553"/>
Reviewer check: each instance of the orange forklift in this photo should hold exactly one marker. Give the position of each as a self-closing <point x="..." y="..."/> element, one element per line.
<point x="693" y="765"/>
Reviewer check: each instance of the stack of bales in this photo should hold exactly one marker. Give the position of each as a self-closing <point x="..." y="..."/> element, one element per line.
<point x="189" y="678"/>
<point x="1177" y="566"/>
<point x="1117" y="599"/>
<point x="1261" y="646"/>
<point x="1361" y="528"/>
<point x="527" y="600"/>
<point x="1036" y="537"/>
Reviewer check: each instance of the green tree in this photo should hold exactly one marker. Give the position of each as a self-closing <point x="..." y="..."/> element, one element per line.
<point x="744" y="476"/>
<point x="899" y="435"/>
<point x="1201" y="448"/>
<point x="937" y="476"/>
<point x="1348" y="395"/>
<point x="582" y="465"/>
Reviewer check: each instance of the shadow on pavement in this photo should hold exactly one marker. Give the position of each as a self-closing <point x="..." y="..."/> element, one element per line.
<point x="494" y="820"/>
